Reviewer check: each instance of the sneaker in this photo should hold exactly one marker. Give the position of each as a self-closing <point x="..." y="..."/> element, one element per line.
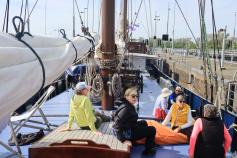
<point x="152" y="152"/>
<point x="156" y="146"/>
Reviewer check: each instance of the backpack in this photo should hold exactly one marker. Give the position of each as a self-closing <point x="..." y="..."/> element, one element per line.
<point x="160" y="113"/>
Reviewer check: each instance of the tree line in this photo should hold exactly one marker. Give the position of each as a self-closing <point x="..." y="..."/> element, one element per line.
<point x="187" y="42"/>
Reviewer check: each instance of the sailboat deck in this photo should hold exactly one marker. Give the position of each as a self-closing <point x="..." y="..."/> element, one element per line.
<point x="60" y="105"/>
<point x="77" y="133"/>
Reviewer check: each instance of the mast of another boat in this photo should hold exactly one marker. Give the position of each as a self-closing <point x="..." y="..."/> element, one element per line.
<point x="125" y="22"/>
<point x="73" y="19"/>
<point x="108" y="51"/>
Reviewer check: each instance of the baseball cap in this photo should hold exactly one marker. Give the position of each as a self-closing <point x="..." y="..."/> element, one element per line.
<point x="82" y="85"/>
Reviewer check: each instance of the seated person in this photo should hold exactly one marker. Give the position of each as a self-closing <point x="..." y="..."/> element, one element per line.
<point x="127" y="128"/>
<point x="81" y="110"/>
<point x="208" y="135"/>
<point x="161" y="101"/>
<point x="180" y="113"/>
<point x="172" y="98"/>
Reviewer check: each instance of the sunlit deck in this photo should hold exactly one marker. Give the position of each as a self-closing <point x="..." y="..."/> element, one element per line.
<point x="60" y="104"/>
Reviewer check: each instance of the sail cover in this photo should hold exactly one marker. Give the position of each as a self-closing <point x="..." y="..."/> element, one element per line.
<point x="21" y="74"/>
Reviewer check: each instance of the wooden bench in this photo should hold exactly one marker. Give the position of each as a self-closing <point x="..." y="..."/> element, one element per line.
<point x="78" y="142"/>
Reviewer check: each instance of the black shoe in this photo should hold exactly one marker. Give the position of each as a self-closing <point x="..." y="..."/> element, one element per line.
<point x="156" y="146"/>
<point x="152" y="152"/>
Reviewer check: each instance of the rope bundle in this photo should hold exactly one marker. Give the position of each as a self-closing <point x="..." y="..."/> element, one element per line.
<point x="116" y="85"/>
<point x="96" y="91"/>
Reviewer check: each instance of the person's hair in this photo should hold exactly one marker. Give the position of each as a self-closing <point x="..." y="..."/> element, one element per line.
<point x="129" y="90"/>
<point x="78" y="92"/>
<point x="178" y="88"/>
<point x="179" y="97"/>
<point x="210" y="110"/>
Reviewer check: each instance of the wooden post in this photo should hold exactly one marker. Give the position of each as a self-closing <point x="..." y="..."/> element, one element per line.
<point x="108" y="45"/>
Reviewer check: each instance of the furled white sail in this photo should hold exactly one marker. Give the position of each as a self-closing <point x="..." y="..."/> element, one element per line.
<point x="21" y="72"/>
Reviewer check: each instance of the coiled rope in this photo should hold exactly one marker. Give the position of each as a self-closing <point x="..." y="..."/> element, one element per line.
<point x="97" y="88"/>
<point x="116" y="85"/>
<point x="19" y="35"/>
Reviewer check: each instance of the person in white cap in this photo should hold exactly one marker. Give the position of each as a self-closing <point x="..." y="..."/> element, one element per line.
<point x="161" y="101"/>
<point x="82" y="111"/>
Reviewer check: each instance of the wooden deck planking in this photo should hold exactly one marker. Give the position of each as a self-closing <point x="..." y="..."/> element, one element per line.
<point x="76" y="133"/>
<point x="99" y="140"/>
<point x="56" y="135"/>
<point x="43" y="142"/>
<point x="99" y="129"/>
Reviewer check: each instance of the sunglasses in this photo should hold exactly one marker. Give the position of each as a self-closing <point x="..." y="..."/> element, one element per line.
<point x="177" y="90"/>
<point x="182" y="101"/>
<point x="133" y="96"/>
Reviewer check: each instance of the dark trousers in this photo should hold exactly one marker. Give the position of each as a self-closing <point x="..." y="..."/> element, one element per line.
<point x="144" y="131"/>
<point x="185" y="131"/>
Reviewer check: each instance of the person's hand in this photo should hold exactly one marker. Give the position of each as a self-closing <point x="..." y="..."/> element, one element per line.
<point x="127" y="142"/>
<point x="98" y="133"/>
<point x="62" y="130"/>
<point x="177" y="129"/>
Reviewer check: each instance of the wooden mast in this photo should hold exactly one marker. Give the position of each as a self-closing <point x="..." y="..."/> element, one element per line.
<point x="107" y="48"/>
<point x="125" y="21"/>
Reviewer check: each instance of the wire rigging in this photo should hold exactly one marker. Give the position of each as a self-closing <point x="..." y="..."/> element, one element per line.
<point x="201" y="15"/>
<point x="87" y="12"/>
<point x="213" y="16"/>
<point x="93" y="18"/>
<point x="151" y="19"/>
<point x="136" y="17"/>
<point x="79" y="13"/>
<point x="144" y="26"/>
<point x="31" y="12"/>
<point x="214" y="43"/>
<point x="186" y="22"/>
<point x="146" y="21"/>
<point x="6" y="17"/>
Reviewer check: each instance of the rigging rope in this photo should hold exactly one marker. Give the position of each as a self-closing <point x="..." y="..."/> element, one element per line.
<point x="208" y="59"/>
<point x="87" y="12"/>
<point x="99" y="15"/>
<point x="19" y="35"/>
<point x="20" y="13"/>
<point x="187" y="22"/>
<point x="79" y="13"/>
<point x="144" y="27"/>
<point x="31" y="12"/>
<point x="214" y="27"/>
<point x="93" y="18"/>
<point x="136" y="17"/>
<point x="6" y="17"/>
<point x="234" y="126"/>
<point x="146" y="22"/>
<point x="62" y="31"/>
<point x="201" y="11"/>
<point x="92" y="41"/>
<point x="151" y="19"/>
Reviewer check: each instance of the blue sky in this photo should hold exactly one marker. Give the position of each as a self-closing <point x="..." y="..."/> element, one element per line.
<point x="59" y="15"/>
